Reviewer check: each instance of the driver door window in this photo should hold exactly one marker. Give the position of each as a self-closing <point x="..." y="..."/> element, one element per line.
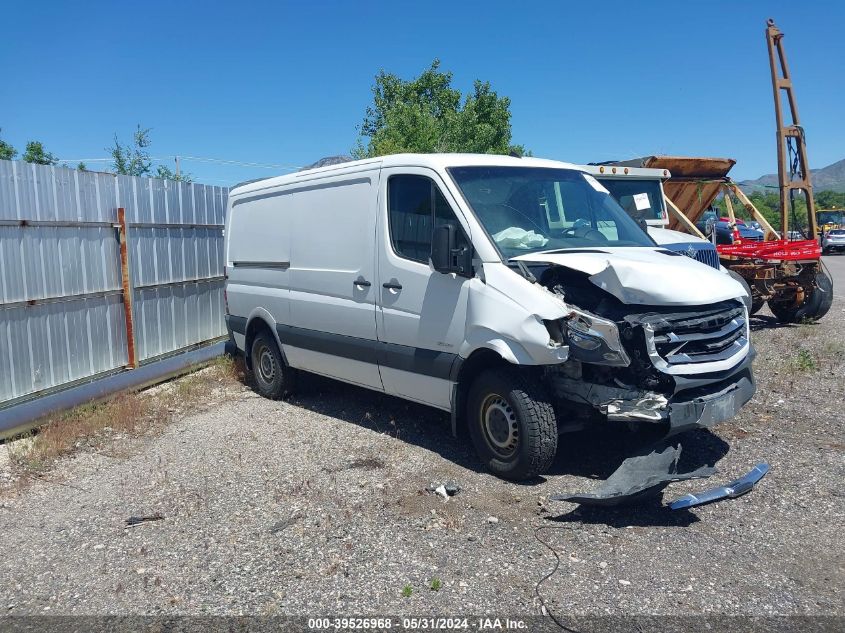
<point x="415" y="206"/>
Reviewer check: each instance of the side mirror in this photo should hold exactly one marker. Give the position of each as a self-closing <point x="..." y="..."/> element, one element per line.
<point x="446" y="255"/>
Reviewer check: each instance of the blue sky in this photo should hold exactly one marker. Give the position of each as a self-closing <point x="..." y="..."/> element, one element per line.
<point x="286" y="83"/>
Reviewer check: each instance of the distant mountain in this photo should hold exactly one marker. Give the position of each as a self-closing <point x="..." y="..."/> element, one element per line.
<point x="830" y="178"/>
<point x="329" y="160"/>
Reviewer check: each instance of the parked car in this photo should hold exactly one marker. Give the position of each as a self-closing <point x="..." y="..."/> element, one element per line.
<point x="710" y="222"/>
<point x="514" y="293"/>
<point x="833" y="241"/>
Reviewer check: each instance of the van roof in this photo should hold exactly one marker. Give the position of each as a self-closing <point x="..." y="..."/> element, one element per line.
<point x="433" y="161"/>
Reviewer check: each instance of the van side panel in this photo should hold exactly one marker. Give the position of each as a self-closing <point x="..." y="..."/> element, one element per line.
<point x="258" y="259"/>
<point x="332" y="278"/>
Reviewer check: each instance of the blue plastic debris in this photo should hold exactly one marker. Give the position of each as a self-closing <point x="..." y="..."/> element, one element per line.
<point x="734" y="489"/>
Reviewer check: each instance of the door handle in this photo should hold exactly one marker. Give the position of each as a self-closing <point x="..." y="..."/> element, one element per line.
<point x="391" y="286"/>
<point x="362" y="282"/>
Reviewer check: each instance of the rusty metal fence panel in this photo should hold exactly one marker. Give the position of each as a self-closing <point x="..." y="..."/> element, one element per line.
<point x="63" y="314"/>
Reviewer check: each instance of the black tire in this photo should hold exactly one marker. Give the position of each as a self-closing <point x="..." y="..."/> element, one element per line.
<point x="273" y="379"/>
<point x="512" y="424"/>
<point x="756" y="305"/>
<point x="822" y="295"/>
<point x="749" y="304"/>
<point x="814" y="307"/>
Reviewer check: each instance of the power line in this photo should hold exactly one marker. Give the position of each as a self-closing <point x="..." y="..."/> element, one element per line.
<point x="237" y="162"/>
<point x="221" y="161"/>
<point x="84" y="160"/>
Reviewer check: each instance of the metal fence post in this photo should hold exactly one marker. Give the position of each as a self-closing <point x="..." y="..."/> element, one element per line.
<point x="127" y="288"/>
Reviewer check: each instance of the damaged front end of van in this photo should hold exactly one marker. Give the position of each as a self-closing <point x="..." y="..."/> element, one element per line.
<point x="674" y="354"/>
<point x="672" y="357"/>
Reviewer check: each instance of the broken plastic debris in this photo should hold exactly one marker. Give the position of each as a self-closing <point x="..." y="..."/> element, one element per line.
<point x="133" y="521"/>
<point x="638" y="478"/>
<point x="449" y="489"/>
<point x="279" y="526"/>
<point x="736" y="488"/>
<point x="651" y="408"/>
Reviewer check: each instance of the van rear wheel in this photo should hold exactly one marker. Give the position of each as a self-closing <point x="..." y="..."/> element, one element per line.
<point x="512" y="424"/>
<point x="273" y="379"/>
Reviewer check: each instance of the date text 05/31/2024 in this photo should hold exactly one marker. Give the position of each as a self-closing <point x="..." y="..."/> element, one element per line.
<point x="417" y="624"/>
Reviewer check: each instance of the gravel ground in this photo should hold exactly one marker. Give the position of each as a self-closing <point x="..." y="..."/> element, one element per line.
<point x="318" y="506"/>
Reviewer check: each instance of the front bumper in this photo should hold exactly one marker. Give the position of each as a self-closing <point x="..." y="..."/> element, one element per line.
<point x="710" y="410"/>
<point x="697" y="401"/>
<point x="704" y="401"/>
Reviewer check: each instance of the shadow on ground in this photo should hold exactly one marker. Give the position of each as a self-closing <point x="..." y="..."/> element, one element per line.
<point x="592" y="454"/>
<point x="647" y="514"/>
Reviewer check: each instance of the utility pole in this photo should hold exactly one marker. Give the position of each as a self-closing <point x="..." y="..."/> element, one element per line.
<point x="793" y="170"/>
<point x="177" y="168"/>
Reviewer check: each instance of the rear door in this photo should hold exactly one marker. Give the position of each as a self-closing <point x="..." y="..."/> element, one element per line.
<point x="421" y="313"/>
<point x="333" y="292"/>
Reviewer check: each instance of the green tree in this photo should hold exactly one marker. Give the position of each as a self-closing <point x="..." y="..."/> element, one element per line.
<point x="82" y="166"/>
<point x="426" y="114"/>
<point x="132" y="159"/>
<point x="165" y="172"/>
<point x="767" y="203"/>
<point x="830" y="200"/>
<point x="7" y="152"/>
<point x="35" y="153"/>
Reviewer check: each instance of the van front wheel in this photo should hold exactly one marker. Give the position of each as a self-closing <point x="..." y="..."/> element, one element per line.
<point x="272" y="378"/>
<point x="512" y="424"/>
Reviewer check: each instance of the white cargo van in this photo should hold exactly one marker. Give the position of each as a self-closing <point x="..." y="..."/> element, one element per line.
<point x="514" y="293"/>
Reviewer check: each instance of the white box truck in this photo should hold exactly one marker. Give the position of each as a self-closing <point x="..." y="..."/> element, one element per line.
<point x="639" y="190"/>
<point x="514" y="293"/>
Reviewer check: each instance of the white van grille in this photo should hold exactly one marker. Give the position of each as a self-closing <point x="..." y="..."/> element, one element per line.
<point x="696" y="341"/>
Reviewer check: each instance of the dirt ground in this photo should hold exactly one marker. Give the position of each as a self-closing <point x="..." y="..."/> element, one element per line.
<point x="318" y="506"/>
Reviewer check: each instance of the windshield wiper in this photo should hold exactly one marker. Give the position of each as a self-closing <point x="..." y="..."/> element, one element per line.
<point x="523" y="270"/>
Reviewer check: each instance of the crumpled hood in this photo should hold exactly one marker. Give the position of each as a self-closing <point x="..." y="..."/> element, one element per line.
<point x="646" y="276"/>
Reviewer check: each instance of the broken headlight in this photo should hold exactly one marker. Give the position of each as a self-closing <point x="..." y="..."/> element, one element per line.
<point x="592" y="339"/>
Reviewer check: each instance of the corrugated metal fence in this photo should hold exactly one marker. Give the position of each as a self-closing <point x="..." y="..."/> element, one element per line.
<point x="63" y="307"/>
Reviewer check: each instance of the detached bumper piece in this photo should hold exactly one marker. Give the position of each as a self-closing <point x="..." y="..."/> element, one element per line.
<point x="734" y="489"/>
<point x="638" y="478"/>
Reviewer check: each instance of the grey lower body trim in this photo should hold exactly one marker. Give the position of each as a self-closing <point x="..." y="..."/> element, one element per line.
<point x="426" y="362"/>
<point x="236" y="324"/>
<point x="267" y="265"/>
<point x="19" y="418"/>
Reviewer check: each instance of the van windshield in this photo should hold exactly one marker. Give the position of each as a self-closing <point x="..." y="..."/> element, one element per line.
<point x="532" y="209"/>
